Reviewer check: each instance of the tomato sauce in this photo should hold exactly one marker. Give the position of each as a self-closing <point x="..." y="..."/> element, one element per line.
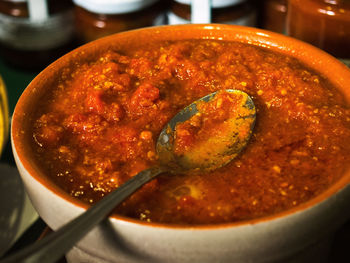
<point x="99" y="125"/>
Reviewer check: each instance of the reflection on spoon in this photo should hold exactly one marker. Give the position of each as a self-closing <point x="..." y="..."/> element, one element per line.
<point x="204" y="136"/>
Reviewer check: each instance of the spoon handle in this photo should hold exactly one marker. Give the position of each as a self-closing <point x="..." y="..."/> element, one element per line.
<point x="55" y="245"/>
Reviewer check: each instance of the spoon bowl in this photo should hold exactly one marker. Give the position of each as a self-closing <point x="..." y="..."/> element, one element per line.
<point x="223" y="140"/>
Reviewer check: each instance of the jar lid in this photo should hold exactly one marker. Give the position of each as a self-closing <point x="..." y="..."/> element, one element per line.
<point x="37" y="9"/>
<point x="113" y="6"/>
<point x="215" y="3"/>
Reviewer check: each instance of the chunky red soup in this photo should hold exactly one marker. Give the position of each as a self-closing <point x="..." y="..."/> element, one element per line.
<point x="98" y="127"/>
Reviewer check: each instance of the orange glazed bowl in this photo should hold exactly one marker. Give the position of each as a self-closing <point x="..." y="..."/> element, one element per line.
<point x="300" y="233"/>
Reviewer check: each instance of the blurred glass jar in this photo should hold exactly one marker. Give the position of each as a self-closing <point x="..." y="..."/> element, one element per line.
<point x="323" y="23"/>
<point x="96" y="18"/>
<point x="35" y="32"/>
<point x="4" y="116"/>
<point x="274" y="13"/>
<point x="238" y="12"/>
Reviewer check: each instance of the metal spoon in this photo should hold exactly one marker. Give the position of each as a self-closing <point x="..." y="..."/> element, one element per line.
<point x="55" y="245"/>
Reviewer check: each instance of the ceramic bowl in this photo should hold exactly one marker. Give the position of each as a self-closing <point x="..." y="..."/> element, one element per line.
<point x="295" y="235"/>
